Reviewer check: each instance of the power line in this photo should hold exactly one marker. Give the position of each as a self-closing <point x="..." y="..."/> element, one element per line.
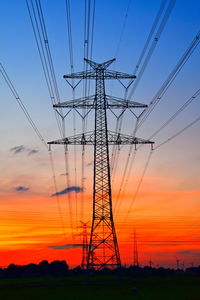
<point x="48" y="51"/>
<point x="92" y="30"/>
<point x="152" y="30"/>
<point x="22" y="106"/>
<point x="175" y="115"/>
<point x="124" y="184"/>
<point x="167" y="83"/>
<point x="182" y="108"/>
<point x="70" y="40"/>
<point x="154" y="42"/>
<point x="130" y="152"/>
<point x="149" y="157"/>
<point x="138" y="186"/>
<point x="163" y="89"/>
<point x="148" y="56"/>
<point x="122" y="29"/>
<point x="42" y="42"/>
<point x="71" y="56"/>
<point x="56" y="190"/>
<point x="178" y="133"/>
<point x="115" y="149"/>
<point x="36" y="130"/>
<point x="43" y="58"/>
<point x="88" y="51"/>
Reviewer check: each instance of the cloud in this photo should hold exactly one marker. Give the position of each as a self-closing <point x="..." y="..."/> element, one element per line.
<point x="76" y="189"/>
<point x="168" y="243"/>
<point x="21" y="188"/>
<point x="22" y="148"/>
<point x="18" y="149"/>
<point x="32" y="151"/>
<point x="64" y="174"/>
<point x="190" y="252"/>
<point x="67" y="246"/>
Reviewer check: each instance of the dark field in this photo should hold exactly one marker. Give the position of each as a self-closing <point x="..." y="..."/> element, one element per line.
<point x="103" y="287"/>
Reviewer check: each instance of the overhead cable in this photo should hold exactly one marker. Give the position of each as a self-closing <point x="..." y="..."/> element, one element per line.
<point x="154" y="42"/>
<point x="178" y="133"/>
<point x="182" y="61"/>
<point x="21" y="104"/>
<point x="36" y="130"/>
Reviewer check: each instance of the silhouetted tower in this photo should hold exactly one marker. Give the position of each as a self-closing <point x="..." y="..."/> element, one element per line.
<point x="150" y="263"/>
<point x="84" y="235"/>
<point x="103" y="246"/>
<point x="178" y="263"/>
<point x="135" y="250"/>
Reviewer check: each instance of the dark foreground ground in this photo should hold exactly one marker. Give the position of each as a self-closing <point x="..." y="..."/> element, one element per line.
<point x="100" y="287"/>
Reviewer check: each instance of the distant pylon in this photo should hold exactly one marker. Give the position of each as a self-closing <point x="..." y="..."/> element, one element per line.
<point x="135" y="250"/>
<point x="178" y="263"/>
<point x="84" y="234"/>
<point x="150" y="262"/>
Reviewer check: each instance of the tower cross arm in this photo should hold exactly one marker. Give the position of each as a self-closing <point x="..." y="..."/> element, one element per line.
<point x="109" y="74"/>
<point x="114" y="138"/>
<point x="84" y="102"/>
<point x="92" y="74"/>
<point x="116" y="102"/>
<point x="111" y="102"/>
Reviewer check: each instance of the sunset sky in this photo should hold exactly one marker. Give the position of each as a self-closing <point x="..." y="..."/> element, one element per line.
<point x="163" y="206"/>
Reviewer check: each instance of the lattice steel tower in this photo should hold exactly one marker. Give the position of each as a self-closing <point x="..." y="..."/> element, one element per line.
<point x="135" y="250"/>
<point x="103" y="246"/>
<point x="84" y="234"/>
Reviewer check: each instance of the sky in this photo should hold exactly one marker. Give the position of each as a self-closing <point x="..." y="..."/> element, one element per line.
<point x="163" y="205"/>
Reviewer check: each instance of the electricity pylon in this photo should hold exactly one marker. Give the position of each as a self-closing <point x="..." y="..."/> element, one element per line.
<point x="84" y="234"/>
<point x="103" y="246"/>
<point x="150" y="262"/>
<point x="135" y="250"/>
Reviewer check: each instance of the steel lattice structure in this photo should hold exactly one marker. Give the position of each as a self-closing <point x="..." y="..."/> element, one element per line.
<point x="84" y="234"/>
<point x="135" y="250"/>
<point x="103" y="246"/>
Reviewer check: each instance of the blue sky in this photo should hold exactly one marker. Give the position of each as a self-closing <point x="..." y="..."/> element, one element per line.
<point x="21" y="60"/>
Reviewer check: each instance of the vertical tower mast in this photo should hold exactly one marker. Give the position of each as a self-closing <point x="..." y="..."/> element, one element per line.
<point x="103" y="247"/>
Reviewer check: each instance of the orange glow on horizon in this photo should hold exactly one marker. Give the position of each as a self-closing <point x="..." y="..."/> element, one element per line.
<point x="29" y="226"/>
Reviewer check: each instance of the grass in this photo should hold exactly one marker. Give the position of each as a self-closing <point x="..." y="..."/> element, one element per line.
<point x="102" y="287"/>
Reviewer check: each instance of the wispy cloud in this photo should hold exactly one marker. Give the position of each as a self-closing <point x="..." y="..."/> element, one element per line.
<point x="66" y="246"/>
<point x="21" y="188"/>
<point x="189" y="252"/>
<point x="23" y="149"/>
<point x="170" y="243"/>
<point x="32" y="151"/>
<point x="18" y="149"/>
<point x="70" y="189"/>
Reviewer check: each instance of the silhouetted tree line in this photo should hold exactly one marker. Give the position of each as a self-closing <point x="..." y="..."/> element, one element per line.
<point x="61" y="268"/>
<point x="147" y="271"/>
<point x="55" y="268"/>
